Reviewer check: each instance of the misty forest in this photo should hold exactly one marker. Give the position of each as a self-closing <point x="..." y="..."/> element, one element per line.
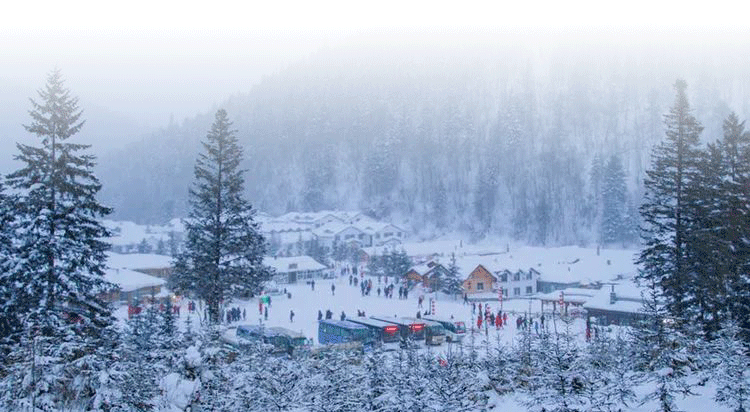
<point x="503" y="143"/>
<point x="596" y="150"/>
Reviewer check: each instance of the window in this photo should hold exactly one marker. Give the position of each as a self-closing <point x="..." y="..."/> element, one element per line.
<point x="528" y="276"/>
<point x="349" y="237"/>
<point x="505" y="292"/>
<point x="529" y="290"/>
<point x="517" y="277"/>
<point x="388" y="234"/>
<point x="361" y="236"/>
<point x="399" y="234"/>
<point x="480" y="286"/>
<point x="516" y="291"/>
<point x="504" y="277"/>
<point x="292" y="266"/>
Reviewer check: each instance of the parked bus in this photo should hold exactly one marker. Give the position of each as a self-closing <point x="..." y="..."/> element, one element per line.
<point x="383" y="332"/>
<point x="281" y="340"/>
<point x="344" y="331"/>
<point x="296" y="339"/>
<point x="454" y="330"/>
<point x="434" y="332"/>
<point x="409" y="329"/>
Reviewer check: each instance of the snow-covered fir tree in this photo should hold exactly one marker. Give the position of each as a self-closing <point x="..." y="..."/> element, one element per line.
<point x="607" y="371"/>
<point x="661" y="354"/>
<point x="64" y="334"/>
<point x="8" y="315"/>
<point x="614" y="195"/>
<point x="727" y="367"/>
<point x="735" y="217"/>
<point x="558" y="383"/>
<point x="664" y="211"/>
<point x="224" y="251"/>
<point x="452" y="282"/>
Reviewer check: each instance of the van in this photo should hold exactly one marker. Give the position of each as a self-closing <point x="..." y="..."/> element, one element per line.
<point x="454" y="330"/>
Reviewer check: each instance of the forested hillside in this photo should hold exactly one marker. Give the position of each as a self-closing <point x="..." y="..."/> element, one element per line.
<point x="521" y="141"/>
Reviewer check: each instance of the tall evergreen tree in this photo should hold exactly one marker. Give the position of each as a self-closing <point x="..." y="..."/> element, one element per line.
<point x="224" y="251"/>
<point x="60" y="248"/>
<point x="8" y="315"/>
<point x="735" y="217"/>
<point x="59" y="257"/>
<point x="664" y="211"/>
<point x="452" y="281"/>
<point x="614" y="194"/>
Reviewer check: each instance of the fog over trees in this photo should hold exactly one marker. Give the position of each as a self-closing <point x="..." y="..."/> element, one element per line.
<point x="495" y="138"/>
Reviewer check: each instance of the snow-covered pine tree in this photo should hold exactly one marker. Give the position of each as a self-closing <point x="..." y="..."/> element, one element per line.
<point x="336" y="383"/>
<point x="614" y="194"/>
<point x="706" y="249"/>
<point x="661" y="354"/>
<point x="8" y="315"/>
<point x="727" y="367"/>
<point x="452" y="282"/>
<point x="224" y="251"/>
<point x="608" y="372"/>
<point x="453" y="384"/>
<point x="397" y="263"/>
<point x="378" y="387"/>
<point x="59" y="259"/>
<point x="141" y="362"/>
<point x="674" y="167"/>
<point x="559" y="382"/>
<point x="736" y="217"/>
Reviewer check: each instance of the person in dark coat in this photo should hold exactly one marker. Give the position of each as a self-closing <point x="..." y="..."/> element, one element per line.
<point x="343" y="315"/>
<point x="291" y="316"/>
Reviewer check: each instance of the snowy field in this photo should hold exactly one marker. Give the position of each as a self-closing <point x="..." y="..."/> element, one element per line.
<point x="305" y="302"/>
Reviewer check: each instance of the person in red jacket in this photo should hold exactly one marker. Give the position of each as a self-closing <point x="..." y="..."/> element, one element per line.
<point x="479" y="322"/>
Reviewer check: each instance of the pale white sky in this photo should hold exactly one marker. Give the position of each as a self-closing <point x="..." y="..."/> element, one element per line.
<point x="146" y="59"/>
<point x="347" y="14"/>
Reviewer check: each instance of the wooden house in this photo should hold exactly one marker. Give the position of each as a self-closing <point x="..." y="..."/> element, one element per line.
<point x="429" y="274"/>
<point x="480" y="280"/>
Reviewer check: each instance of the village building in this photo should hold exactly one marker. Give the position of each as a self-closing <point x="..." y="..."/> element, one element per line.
<point x="428" y="274"/>
<point x="148" y="263"/>
<point x="131" y="286"/>
<point x="333" y="234"/>
<point x="568" y="301"/>
<point x="296" y="268"/>
<point x="480" y="280"/>
<point x="618" y="303"/>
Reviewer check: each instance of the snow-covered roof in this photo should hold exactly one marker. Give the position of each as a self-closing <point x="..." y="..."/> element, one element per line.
<point x="628" y="298"/>
<point x="130" y="280"/>
<point x="293" y="264"/>
<point x="568" y="264"/>
<point x="277" y="226"/>
<point x="129" y="233"/>
<point x="332" y="229"/>
<point x="138" y="261"/>
<point x="574" y="295"/>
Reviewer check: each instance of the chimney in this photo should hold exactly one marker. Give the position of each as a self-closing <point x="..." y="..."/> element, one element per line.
<point x="612" y="296"/>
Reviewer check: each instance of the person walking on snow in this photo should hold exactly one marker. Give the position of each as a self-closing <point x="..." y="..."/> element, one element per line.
<point x="333" y="289"/>
<point x="291" y="316"/>
<point x="265" y="314"/>
<point x="320" y="315"/>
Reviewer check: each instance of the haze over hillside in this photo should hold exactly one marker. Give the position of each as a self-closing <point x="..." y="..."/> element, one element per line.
<point x="480" y="132"/>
